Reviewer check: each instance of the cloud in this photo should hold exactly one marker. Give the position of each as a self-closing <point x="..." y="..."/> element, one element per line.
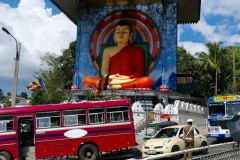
<point x="219" y="22"/>
<point x="38" y="31"/>
<point x="228" y="8"/>
<point x="193" y="48"/>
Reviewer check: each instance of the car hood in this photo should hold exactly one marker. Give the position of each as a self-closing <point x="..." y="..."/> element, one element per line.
<point x="157" y="141"/>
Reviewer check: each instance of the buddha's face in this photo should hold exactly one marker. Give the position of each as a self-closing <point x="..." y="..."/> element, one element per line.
<point x="122" y="34"/>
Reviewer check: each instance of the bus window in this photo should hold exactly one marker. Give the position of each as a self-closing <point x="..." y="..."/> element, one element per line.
<point x="74" y="117"/>
<point x="48" y="119"/>
<point x="115" y="114"/>
<point x="96" y="115"/>
<point x="232" y="108"/>
<point x="6" y="123"/>
<point x="216" y="109"/>
<point x="2" y="126"/>
<point x="43" y="122"/>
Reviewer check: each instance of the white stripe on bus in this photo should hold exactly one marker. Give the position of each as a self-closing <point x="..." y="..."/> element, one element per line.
<point x="9" y="144"/>
<point x="7" y="133"/>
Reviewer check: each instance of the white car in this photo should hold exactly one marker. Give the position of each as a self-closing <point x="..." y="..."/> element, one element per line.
<point x="169" y="140"/>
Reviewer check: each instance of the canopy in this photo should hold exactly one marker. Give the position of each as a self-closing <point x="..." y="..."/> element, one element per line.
<point x="188" y="11"/>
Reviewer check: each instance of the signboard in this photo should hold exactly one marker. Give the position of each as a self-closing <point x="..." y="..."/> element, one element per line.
<point x="225" y="98"/>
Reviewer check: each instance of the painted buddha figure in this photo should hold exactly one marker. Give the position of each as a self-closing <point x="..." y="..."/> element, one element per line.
<point x="122" y="64"/>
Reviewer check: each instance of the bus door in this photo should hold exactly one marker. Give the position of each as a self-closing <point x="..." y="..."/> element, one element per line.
<point x="25" y="131"/>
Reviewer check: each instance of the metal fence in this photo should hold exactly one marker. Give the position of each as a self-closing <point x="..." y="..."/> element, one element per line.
<point x="232" y="154"/>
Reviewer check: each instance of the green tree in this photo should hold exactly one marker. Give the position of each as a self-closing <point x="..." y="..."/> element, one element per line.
<point x="60" y="73"/>
<point x="24" y="95"/>
<point x="9" y="94"/>
<point x="185" y="61"/>
<point x="1" y="95"/>
<point x="232" y="65"/>
<point x="4" y="100"/>
<point x="211" y="61"/>
<point x="39" y="97"/>
<point x="188" y="64"/>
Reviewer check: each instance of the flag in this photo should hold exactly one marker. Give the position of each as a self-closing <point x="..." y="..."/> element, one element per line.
<point x="40" y="80"/>
<point x="37" y="84"/>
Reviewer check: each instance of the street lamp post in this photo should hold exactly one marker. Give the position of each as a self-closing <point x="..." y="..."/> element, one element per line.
<point x="15" y="81"/>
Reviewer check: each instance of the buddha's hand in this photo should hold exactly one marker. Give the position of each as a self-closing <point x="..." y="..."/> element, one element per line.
<point x="118" y="77"/>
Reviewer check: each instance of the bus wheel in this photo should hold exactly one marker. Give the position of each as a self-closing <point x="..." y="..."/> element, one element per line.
<point x="5" y="156"/>
<point x="88" y="152"/>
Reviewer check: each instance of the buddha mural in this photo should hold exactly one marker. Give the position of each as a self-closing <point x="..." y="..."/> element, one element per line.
<point x="123" y="64"/>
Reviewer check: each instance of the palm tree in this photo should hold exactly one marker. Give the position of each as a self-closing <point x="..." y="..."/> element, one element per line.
<point x="212" y="59"/>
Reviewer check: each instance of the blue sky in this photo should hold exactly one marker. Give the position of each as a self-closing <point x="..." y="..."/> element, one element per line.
<point x="219" y="22"/>
<point x="40" y="28"/>
<point x="48" y="3"/>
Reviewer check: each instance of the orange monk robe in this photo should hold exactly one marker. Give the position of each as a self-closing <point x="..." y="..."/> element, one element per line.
<point x="129" y="61"/>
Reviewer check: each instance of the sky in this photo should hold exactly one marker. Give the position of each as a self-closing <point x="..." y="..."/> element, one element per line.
<point x="40" y="28"/>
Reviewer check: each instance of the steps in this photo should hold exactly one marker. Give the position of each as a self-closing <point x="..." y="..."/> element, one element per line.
<point x="28" y="153"/>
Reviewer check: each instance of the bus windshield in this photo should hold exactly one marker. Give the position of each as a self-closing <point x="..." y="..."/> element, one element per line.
<point x="232" y="108"/>
<point x="216" y="109"/>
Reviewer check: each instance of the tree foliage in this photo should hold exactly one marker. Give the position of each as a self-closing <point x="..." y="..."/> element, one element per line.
<point x="39" y="97"/>
<point x="212" y="71"/>
<point x="4" y="100"/>
<point x="59" y="76"/>
<point x="211" y="61"/>
<point x="24" y="95"/>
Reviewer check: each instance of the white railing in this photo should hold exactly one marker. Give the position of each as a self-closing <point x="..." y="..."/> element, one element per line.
<point x="232" y="154"/>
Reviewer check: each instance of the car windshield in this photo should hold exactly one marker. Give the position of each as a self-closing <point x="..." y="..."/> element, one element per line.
<point x="167" y="133"/>
<point x="150" y="131"/>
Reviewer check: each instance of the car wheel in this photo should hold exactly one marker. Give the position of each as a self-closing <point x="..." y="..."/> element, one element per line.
<point x="175" y="149"/>
<point x="88" y="152"/>
<point x="5" y="155"/>
<point x="204" y="151"/>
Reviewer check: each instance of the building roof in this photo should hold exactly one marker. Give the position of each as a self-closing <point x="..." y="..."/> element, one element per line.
<point x="188" y="10"/>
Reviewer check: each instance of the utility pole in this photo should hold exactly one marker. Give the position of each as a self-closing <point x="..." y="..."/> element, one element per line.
<point x="15" y="80"/>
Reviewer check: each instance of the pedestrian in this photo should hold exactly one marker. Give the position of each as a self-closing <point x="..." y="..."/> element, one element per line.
<point x="189" y="132"/>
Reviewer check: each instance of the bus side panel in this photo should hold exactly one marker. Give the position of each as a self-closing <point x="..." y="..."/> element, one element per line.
<point x="119" y="137"/>
<point x="107" y="137"/>
<point x="8" y="142"/>
<point x="54" y="144"/>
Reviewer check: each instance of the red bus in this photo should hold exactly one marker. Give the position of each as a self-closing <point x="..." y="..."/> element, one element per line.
<point x="83" y="129"/>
